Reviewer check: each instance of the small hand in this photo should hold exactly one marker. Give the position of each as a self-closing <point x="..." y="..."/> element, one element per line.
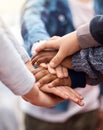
<point x="64" y="92"/>
<point x="59" y="87"/>
<point x="66" y="46"/>
<point x="37" y="97"/>
<point x="44" y="77"/>
<point x="42" y="59"/>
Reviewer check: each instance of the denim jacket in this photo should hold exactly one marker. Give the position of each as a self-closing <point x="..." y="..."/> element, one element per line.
<point x="51" y="17"/>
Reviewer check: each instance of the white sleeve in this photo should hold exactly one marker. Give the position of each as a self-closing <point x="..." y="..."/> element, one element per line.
<point x="18" y="46"/>
<point x="13" y="72"/>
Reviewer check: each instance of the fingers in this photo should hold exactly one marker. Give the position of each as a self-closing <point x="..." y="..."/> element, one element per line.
<point x="61" y="72"/>
<point x="54" y="37"/>
<point x="55" y="91"/>
<point x="65" y="93"/>
<point x="51" y="70"/>
<point x="41" y="74"/>
<point x="72" y="95"/>
<point x="60" y="82"/>
<point x="58" y="58"/>
<point x="43" y="57"/>
<point x="37" y="70"/>
<point x="42" y="60"/>
<point x="50" y="44"/>
<point x="46" y="79"/>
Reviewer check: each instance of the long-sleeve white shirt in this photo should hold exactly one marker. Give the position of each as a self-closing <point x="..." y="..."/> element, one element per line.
<point x="13" y="72"/>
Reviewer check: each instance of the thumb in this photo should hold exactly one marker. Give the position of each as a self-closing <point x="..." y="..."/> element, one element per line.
<point x="58" y="58"/>
<point x="46" y="45"/>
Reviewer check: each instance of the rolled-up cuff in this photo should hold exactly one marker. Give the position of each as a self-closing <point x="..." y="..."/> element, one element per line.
<point x="85" y="38"/>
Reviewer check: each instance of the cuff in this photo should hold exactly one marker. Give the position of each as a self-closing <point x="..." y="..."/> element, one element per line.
<point x="85" y="38"/>
<point x="77" y="79"/>
<point x="81" y="65"/>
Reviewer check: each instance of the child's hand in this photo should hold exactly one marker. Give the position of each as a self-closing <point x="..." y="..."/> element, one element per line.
<point x="44" y="57"/>
<point x="66" y="46"/>
<point x="60" y="87"/>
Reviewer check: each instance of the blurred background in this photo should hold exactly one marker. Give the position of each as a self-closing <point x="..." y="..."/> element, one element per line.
<point x="10" y="10"/>
<point x="9" y="103"/>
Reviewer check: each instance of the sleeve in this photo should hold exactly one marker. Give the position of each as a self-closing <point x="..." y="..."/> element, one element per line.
<point x="33" y="28"/>
<point x="96" y="28"/>
<point x="13" y="72"/>
<point x="85" y="37"/>
<point x="19" y="47"/>
<point x="90" y="61"/>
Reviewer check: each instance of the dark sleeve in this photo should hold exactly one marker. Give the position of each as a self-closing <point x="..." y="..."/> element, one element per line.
<point x="96" y="28"/>
<point x="90" y="61"/>
<point x="77" y="79"/>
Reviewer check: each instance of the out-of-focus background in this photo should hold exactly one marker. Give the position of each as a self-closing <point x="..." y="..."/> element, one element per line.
<point x="9" y="103"/>
<point x="10" y="10"/>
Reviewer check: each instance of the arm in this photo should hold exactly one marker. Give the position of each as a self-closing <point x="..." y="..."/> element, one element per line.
<point x="32" y="26"/>
<point x="85" y="36"/>
<point x="90" y="61"/>
<point x="13" y="68"/>
<point x="51" y="82"/>
<point x="15" y="75"/>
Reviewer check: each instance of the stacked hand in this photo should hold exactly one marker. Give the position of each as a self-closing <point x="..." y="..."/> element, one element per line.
<point x="51" y="83"/>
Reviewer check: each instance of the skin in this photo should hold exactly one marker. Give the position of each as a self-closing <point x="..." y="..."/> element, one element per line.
<point x="37" y="97"/>
<point x="42" y="59"/>
<point x="61" y="91"/>
<point x="66" y="46"/>
<point x="45" y="57"/>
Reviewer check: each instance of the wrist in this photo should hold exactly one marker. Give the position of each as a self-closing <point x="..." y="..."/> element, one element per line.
<point x="29" y="65"/>
<point x="32" y="95"/>
<point x="73" y="40"/>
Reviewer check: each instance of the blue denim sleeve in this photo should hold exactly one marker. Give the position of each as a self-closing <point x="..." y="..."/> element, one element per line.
<point x="32" y="26"/>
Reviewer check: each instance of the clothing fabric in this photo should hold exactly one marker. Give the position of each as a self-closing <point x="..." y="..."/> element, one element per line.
<point x="8" y="120"/>
<point x="13" y="72"/>
<point x="51" y="17"/>
<point x="82" y="122"/>
<point x="96" y="28"/>
<point x="56" y="115"/>
<point x="57" y="13"/>
<point x="92" y="58"/>
<point x="92" y="64"/>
